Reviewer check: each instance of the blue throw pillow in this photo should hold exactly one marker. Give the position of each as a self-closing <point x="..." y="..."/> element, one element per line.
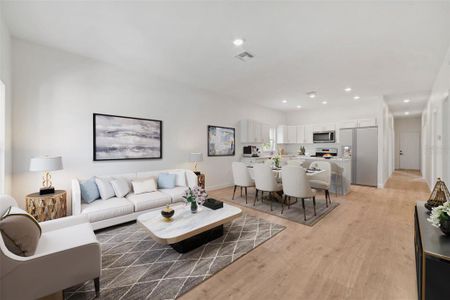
<point x="89" y="190"/>
<point x="166" y="181"/>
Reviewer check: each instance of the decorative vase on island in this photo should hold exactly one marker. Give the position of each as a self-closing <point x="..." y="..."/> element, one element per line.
<point x="167" y="213"/>
<point x="194" y="207"/>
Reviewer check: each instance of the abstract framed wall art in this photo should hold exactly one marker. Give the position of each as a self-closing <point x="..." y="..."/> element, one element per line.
<point x="122" y="138"/>
<point x="221" y="141"/>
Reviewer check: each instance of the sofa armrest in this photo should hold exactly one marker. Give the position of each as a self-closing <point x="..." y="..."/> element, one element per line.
<point x="76" y="197"/>
<point x="63" y="222"/>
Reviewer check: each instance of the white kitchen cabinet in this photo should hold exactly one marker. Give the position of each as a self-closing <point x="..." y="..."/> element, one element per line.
<point x="308" y="134"/>
<point x="349" y="124"/>
<point x="254" y="132"/>
<point x="300" y="134"/>
<point x="367" y="122"/>
<point x="286" y="134"/>
<point x="291" y="134"/>
<point x="324" y="127"/>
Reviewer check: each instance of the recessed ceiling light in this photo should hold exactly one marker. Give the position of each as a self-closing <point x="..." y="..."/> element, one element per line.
<point x="406" y="113"/>
<point x="311" y="94"/>
<point x="324" y="102"/>
<point x="407" y="100"/>
<point x="238" y="42"/>
<point x="348" y="89"/>
<point x="284" y="101"/>
<point x="356" y="97"/>
<point x="299" y="106"/>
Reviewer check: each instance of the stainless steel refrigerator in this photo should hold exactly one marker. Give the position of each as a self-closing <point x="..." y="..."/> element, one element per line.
<point x="362" y="143"/>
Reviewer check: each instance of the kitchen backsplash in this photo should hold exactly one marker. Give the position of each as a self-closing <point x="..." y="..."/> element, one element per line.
<point x="310" y="148"/>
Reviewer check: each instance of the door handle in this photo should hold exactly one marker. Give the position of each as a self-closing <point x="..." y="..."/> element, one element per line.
<point x="401" y="152"/>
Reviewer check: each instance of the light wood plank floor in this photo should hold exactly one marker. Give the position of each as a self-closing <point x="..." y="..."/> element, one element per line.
<point x="361" y="250"/>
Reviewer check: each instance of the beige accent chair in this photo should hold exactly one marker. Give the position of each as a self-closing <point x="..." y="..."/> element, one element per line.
<point x="68" y="254"/>
<point x="295" y="184"/>
<point x="241" y="177"/>
<point x="265" y="181"/>
<point x="322" y="181"/>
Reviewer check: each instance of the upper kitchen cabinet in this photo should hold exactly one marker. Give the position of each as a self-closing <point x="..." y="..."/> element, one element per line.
<point x="324" y="127"/>
<point x="254" y="132"/>
<point x="300" y="134"/>
<point x="308" y="134"/>
<point x="367" y="122"/>
<point x="286" y="134"/>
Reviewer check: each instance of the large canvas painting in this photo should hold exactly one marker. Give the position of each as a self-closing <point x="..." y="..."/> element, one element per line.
<point x="117" y="137"/>
<point x="221" y="141"/>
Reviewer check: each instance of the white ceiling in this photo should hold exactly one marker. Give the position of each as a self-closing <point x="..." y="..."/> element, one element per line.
<point x="379" y="48"/>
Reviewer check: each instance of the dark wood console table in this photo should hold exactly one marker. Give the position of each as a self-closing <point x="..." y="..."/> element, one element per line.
<point x="432" y="249"/>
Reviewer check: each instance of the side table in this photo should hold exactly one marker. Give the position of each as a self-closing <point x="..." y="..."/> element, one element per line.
<point x="201" y="180"/>
<point x="47" y="207"/>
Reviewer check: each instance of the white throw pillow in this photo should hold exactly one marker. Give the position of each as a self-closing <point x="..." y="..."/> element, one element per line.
<point x="121" y="187"/>
<point x="180" y="178"/>
<point x="105" y="188"/>
<point x="144" y="186"/>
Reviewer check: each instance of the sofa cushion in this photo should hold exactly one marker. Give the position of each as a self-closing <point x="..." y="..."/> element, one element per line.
<point x="167" y="181"/>
<point x="144" y="186"/>
<point x="89" y="190"/>
<point x="20" y="231"/>
<point x="105" y="188"/>
<point x="180" y="177"/>
<point x="105" y="209"/>
<point x="148" y="200"/>
<point x="176" y="194"/>
<point x="121" y="187"/>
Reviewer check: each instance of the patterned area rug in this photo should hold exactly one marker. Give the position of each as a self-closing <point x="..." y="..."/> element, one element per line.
<point x="295" y="213"/>
<point x="136" y="267"/>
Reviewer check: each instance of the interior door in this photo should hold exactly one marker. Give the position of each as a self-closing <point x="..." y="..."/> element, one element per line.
<point x="366" y="156"/>
<point x="410" y="150"/>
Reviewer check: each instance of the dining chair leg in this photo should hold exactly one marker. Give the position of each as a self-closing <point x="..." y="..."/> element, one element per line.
<point x="314" y="203"/>
<point x="282" y="203"/>
<point x="241" y="191"/>
<point x="304" y="209"/>
<point x="245" y="195"/>
<point x="289" y="202"/>
<point x="256" y="197"/>
<point x="271" y="200"/>
<point x="262" y="196"/>
<point x="326" y="198"/>
<point x="234" y="191"/>
<point x="329" y="197"/>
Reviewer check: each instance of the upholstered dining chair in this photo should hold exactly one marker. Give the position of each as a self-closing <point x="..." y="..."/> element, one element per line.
<point x="241" y="177"/>
<point x="322" y="181"/>
<point x="295" y="184"/>
<point x="295" y="162"/>
<point x="265" y="181"/>
<point x="67" y="254"/>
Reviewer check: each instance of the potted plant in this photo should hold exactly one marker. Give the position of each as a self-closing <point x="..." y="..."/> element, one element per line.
<point x="440" y="217"/>
<point x="195" y="196"/>
<point x="277" y="161"/>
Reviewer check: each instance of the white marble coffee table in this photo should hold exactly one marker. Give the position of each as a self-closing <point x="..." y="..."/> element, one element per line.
<point x="186" y="230"/>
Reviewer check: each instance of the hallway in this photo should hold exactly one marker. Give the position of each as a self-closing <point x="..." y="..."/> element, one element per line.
<point x="362" y="250"/>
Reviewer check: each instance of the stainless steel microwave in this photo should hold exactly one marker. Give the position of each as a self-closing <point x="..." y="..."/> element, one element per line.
<point x="324" y="137"/>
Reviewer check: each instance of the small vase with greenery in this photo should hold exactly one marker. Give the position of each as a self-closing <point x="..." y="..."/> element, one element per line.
<point x="195" y="196"/>
<point x="277" y="161"/>
<point x="440" y="217"/>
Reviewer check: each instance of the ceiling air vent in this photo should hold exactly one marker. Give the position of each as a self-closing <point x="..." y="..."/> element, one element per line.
<point x="244" y="56"/>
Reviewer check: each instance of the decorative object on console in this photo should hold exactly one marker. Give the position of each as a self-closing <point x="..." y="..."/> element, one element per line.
<point x="201" y="181"/>
<point x="46" y="164"/>
<point x="438" y="196"/>
<point x="213" y="203"/>
<point x="119" y="138"/>
<point x="440" y="217"/>
<point x="195" y="196"/>
<point x="221" y="141"/>
<point x="167" y="213"/>
<point x="196" y="157"/>
<point x="46" y="207"/>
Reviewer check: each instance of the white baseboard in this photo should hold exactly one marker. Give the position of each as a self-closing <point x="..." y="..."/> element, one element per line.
<point x="219" y="186"/>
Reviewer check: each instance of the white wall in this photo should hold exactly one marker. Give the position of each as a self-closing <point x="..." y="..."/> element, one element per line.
<point x="55" y="94"/>
<point x="5" y="108"/>
<point x="405" y="125"/>
<point x="435" y="128"/>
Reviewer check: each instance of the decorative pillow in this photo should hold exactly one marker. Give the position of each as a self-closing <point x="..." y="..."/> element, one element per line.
<point x="121" y="187"/>
<point x="167" y="181"/>
<point x="181" y="178"/>
<point x="105" y="188"/>
<point x="89" y="190"/>
<point x="20" y="231"/>
<point x="144" y="186"/>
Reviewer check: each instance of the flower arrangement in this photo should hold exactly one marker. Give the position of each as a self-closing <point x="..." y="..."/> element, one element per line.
<point x="440" y="217"/>
<point x="195" y="196"/>
<point x="277" y="161"/>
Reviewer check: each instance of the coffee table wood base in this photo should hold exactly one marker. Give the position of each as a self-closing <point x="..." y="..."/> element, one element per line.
<point x="198" y="240"/>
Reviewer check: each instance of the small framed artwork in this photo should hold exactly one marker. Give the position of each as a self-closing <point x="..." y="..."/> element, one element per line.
<point x="123" y="138"/>
<point x="221" y="141"/>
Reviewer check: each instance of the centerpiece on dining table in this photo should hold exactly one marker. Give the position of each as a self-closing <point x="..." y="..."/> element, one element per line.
<point x="195" y="196"/>
<point x="276" y="161"/>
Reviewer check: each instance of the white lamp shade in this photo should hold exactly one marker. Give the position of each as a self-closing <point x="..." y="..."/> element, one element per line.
<point x="46" y="163"/>
<point x="196" y="157"/>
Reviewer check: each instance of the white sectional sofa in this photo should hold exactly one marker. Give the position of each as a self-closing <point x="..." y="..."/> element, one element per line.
<point x="105" y="213"/>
